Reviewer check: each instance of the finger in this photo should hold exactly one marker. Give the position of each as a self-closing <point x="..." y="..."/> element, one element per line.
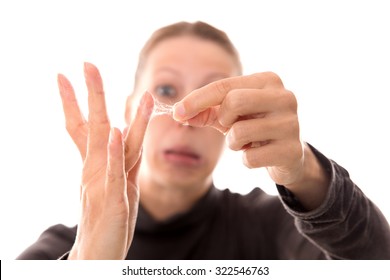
<point x="133" y="158"/>
<point x="208" y="117"/>
<point x="255" y="102"/>
<point x="115" y="174"/>
<point x="136" y="132"/>
<point x="277" y="153"/>
<point x="133" y="198"/>
<point x="256" y="130"/>
<point x="98" y="121"/>
<point x="214" y="93"/>
<point x="76" y="125"/>
<point x="263" y="156"/>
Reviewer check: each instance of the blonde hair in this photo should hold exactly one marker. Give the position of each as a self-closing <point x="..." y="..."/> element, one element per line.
<point x="198" y="29"/>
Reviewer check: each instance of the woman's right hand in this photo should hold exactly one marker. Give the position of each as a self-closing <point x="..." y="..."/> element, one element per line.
<point x="109" y="191"/>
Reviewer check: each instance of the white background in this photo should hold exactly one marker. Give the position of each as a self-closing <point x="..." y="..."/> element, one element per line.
<point x="334" y="55"/>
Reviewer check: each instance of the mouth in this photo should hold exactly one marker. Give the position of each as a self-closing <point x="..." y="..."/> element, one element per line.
<point x="182" y="156"/>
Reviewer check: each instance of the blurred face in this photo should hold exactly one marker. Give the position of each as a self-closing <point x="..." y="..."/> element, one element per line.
<point x="176" y="155"/>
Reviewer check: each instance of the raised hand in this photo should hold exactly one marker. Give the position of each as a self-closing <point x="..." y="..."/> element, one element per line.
<point x="259" y="117"/>
<point x="109" y="191"/>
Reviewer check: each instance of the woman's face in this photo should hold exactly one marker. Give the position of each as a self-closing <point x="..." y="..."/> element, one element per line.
<point x="174" y="154"/>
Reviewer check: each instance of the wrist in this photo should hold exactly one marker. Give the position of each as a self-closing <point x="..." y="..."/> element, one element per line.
<point x="312" y="185"/>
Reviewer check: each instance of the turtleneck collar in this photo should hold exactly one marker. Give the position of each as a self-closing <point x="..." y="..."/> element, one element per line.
<point x="202" y="209"/>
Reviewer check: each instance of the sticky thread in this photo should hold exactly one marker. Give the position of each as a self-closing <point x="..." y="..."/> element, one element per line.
<point x="162" y="108"/>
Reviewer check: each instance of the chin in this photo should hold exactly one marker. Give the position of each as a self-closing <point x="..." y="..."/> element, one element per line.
<point x="184" y="179"/>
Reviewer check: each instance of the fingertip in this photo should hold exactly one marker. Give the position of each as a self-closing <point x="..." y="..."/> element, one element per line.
<point x="91" y="72"/>
<point x="115" y="143"/>
<point x="148" y="98"/>
<point x="179" y="112"/>
<point x="93" y="79"/>
<point x="147" y="104"/>
<point x="115" y="135"/>
<point x="60" y="79"/>
<point x="111" y="137"/>
<point x="64" y="85"/>
<point x="88" y="66"/>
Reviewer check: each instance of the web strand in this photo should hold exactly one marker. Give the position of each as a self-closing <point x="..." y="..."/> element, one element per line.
<point x="162" y="108"/>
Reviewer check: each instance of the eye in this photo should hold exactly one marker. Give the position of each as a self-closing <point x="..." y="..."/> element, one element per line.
<point x="167" y="91"/>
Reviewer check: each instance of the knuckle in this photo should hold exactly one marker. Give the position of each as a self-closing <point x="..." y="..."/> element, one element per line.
<point x="268" y="78"/>
<point x="222" y="87"/>
<point x="285" y="100"/>
<point x="113" y="175"/>
<point x="273" y="78"/>
<point x="289" y="123"/>
<point x="239" y="131"/>
<point x="98" y="131"/>
<point x="291" y="100"/>
<point x="101" y="120"/>
<point x="236" y="136"/>
<point x="235" y="101"/>
<point x="99" y="92"/>
<point x="71" y="128"/>
<point x="293" y="125"/>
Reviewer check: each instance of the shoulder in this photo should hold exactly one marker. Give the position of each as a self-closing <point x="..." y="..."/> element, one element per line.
<point x="60" y="232"/>
<point x="255" y="200"/>
<point x="51" y="244"/>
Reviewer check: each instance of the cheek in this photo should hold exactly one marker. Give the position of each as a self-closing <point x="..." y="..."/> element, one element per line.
<point x="154" y="132"/>
<point x="153" y="139"/>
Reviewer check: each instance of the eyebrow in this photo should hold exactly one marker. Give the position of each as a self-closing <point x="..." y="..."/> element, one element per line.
<point x="168" y="69"/>
<point x="217" y="76"/>
<point x="213" y="77"/>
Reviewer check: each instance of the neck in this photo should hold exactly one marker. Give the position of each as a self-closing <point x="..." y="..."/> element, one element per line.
<point x="163" y="202"/>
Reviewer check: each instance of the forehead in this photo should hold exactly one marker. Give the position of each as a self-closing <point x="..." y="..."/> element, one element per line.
<point x="190" y="51"/>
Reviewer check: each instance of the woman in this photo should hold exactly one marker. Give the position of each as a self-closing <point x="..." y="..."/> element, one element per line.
<point x="163" y="205"/>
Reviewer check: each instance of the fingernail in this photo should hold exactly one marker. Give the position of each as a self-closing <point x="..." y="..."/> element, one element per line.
<point x="63" y="85"/>
<point x="89" y="69"/>
<point x="87" y="66"/>
<point x="60" y="82"/>
<point x="179" y="111"/>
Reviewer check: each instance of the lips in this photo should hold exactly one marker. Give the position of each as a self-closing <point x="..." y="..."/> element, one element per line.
<point x="182" y="156"/>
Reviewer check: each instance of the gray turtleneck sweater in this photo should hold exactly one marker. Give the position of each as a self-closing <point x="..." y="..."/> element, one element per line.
<point x="225" y="225"/>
